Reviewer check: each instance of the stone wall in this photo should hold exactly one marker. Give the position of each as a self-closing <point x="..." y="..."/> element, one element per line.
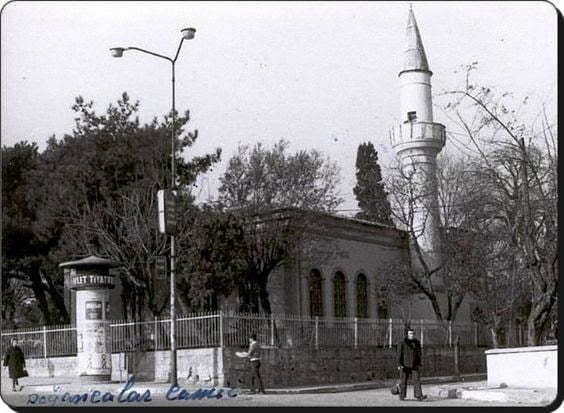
<point x="305" y="366"/>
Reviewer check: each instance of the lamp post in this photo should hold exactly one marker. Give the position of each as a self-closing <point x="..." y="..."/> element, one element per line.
<point x="187" y="34"/>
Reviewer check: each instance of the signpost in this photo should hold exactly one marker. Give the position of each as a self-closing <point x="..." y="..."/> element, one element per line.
<point x="167" y="211"/>
<point x="160" y="279"/>
<point x="161" y="267"/>
<point x="167" y="225"/>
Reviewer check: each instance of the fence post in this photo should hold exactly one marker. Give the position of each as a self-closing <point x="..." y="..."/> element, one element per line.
<point x="272" y="329"/>
<point x="476" y="333"/>
<point x="45" y="342"/>
<point x="449" y="333"/>
<point x="156" y="337"/>
<point x="316" y="332"/>
<point x="390" y="333"/>
<point x="422" y="332"/>
<point x="221" y="328"/>
<point x="457" y="356"/>
<point x="355" y="332"/>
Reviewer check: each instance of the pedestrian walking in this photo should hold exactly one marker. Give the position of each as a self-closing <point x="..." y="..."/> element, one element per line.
<point x="409" y="362"/>
<point x="15" y="361"/>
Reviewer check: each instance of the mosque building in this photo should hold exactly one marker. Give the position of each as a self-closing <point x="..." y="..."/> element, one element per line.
<point x="341" y="263"/>
<point x="348" y="278"/>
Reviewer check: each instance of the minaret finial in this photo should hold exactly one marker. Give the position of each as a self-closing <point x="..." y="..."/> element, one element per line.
<point x="410" y="6"/>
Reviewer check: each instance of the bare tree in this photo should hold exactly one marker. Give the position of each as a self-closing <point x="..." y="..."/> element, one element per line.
<point x="461" y="212"/>
<point x="520" y="164"/>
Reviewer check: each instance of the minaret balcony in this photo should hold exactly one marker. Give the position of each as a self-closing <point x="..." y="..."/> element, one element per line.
<point x="419" y="134"/>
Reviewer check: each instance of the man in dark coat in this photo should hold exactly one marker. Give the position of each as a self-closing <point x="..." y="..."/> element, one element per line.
<point x="15" y="361"/>
<point x="409" y="361"/>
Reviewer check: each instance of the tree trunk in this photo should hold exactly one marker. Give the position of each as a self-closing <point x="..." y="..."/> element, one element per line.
<point x="436" y="306"/>
<point x="39" y="292"/>
<point x="539" y="316"/>
<point x="248" y="293"/>
<point x="510" y="336"/>
<point x="495" y="339"/>
<point x="59" y="302"/>
<point x="455" y="306"/>
<point x="263" y="295"/>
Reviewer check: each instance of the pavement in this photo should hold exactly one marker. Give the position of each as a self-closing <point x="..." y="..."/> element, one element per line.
<point x="471" y="387"/>
<point x="481" y="392"/>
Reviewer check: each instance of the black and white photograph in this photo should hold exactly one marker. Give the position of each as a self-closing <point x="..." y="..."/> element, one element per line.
<point x="279" y="203"/>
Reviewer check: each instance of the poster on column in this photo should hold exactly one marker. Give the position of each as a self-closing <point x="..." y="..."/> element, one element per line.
<point x="94" y="337"/>
<point x="93" y="310"/>
<point x="95" y="346"/>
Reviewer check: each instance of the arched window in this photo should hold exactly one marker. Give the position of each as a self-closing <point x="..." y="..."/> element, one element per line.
<point x="340" y="297"/>
<point x="315" y="294"/>
<point x="361" y="296"/>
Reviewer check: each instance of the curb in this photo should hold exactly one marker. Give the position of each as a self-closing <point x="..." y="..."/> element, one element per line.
<point x="337" y="388"/>
<point x="155" y="388"/>
<point x="377" y="385"/>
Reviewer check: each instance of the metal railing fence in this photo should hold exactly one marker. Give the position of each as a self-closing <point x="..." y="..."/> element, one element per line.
<point x="220" y="329"/>
<point x="52" y="341"/>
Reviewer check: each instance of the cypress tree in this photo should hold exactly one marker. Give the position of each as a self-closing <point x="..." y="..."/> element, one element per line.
<point x="369" y="190"/>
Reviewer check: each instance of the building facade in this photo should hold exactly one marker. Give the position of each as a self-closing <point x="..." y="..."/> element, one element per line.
<point x="338" y="269"/>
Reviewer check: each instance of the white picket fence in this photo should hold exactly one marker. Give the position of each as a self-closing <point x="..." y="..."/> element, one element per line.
<point x="222" y="329"/>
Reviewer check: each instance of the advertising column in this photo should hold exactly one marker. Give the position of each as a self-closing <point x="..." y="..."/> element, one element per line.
<point x="92" y="281"/>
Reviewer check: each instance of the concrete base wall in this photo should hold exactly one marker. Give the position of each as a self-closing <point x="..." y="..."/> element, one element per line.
<point x="202" y="366"/>
<point x="67" y="367"/>
<point x="280" y="367"/>
<point x="49" y="367"/>
<point x="535" y="367"/>
<point x="304" y="366"/>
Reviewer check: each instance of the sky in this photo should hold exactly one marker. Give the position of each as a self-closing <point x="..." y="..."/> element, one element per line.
<point x="321" y="75"/>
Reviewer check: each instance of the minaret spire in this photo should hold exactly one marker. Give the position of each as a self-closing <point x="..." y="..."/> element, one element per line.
<point x="414" y="57"/>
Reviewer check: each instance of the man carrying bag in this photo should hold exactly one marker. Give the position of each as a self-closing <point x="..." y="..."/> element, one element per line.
<point x="409" y="361"/>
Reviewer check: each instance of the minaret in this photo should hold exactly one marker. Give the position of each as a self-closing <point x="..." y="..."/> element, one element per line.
<point x="417" y="140"/>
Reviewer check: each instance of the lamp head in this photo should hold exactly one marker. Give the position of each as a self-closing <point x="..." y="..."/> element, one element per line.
<point x="117" y="51"/>
<point x="188" y="33"/>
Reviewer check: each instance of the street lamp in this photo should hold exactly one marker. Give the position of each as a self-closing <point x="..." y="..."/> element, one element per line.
<point x="187" y="34"/>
